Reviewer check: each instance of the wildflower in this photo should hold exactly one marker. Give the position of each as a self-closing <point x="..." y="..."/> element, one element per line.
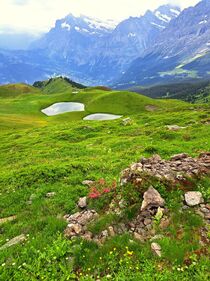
<point x="100" y="258"/>
<point x="108" y="276"/>
<point x="3" y="264"/>
<point x="106" y="190"/>
<point x="110" y="252"/>
<point x="129" y="253"/>
<point x="13" y="263"/>
<point x="137" y="268"/>
<point x="114" y="249"/>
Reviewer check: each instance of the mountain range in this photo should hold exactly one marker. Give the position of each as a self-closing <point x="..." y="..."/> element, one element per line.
<point x="159" y="47"/>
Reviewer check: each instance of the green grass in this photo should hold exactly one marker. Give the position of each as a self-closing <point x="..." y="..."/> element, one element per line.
<point x="41" y="154"/>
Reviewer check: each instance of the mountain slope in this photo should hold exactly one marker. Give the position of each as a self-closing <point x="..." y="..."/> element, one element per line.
<point x="100" y="52"/>
<point x="181" y="50"/>
<point x="196" y="92"/>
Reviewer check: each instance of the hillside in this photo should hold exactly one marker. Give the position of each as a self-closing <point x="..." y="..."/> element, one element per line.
<point x="96" y="100"/>
<point x="194" y="92"/>
<point x="59" y="84"/>
<point x="49" y="164"/>
<point x="180" y="53"/>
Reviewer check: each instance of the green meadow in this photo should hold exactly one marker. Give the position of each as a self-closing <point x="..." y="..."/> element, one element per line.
<point x="41" y="154"/>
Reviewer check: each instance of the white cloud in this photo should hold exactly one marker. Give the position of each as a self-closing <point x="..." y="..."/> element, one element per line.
<point x="40" y="15"/>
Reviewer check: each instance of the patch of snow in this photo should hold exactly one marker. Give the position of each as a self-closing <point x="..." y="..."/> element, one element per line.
<point x="158" y="25"/>
<point x="175" y="11"/>
<point x="162" y="17"/>
<point x="203" y="22"/>
<point x="99" y="24"/>
<point x="132" y="34"/>
<point x="66" y="25"/>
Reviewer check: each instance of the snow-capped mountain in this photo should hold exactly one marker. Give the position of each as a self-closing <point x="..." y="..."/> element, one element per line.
<point x="101" y="51"/>
<point x="181" y="51"/>
<point x="160" y="46"/>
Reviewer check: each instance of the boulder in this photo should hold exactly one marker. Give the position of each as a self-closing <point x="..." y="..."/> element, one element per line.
<point x="193" y="198"/>
<point x="152" y="198"/>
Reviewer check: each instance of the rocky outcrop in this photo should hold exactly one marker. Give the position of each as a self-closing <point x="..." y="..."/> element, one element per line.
<point x="178" y="168"/>
<point x="153" y="210"/>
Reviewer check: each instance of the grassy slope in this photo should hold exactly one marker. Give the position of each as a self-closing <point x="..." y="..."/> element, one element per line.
<point x="41" y="154"/>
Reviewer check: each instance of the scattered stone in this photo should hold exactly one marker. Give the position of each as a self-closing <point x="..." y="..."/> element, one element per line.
<point x="178" y="157"/>
<point x="193" y="198"/>
<point x="77" y="223"/>
<point x="4" y="220"/>
<point x="151" y="108"/>
<point x="50" y="194"/>
<point x="82" y="203"/>
<point x="164" y="223"/>
<point x="127" y="121"/>
<point x="152" y="197"/>
<point x="156" y="248"/>
<point x="111" y="231"/>
<point x="204" y="210"/>
<point x="14" y="241"/>
<point x="89" y="183"/>
<point x="138" y="236"/>
<point x="157" y="237"/>
<point x="174" y="127"/>
<point x="147" y="222"/>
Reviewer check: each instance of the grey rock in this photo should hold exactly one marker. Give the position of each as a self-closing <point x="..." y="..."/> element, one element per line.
<point x="82" y="203"/>
<point x="89" y="183"/>
<point x="16" y="240"/>
<point x="193" y="198"/>
<point x="8" y="219"/>
<point x="156" y="248"/>
<point x="50" y="194"/>
<point x="152" y="197"/>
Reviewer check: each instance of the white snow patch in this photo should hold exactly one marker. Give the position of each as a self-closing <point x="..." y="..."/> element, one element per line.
<point x="203" y="22"/>
<point x="158" y="25"/>
<point x="132" y="34"/>
<point x="162" y="17"/>
<point x="66" y="25"/>
<point x="175" y="11"/>
<point x="98" y="24"/>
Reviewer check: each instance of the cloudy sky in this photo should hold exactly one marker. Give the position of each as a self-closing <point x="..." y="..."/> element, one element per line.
<point x="40" y="15"/>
